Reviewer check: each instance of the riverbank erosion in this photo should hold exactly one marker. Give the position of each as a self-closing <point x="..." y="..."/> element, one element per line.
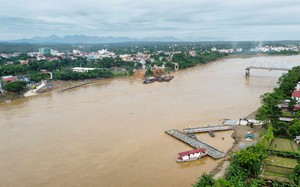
<point x="113" y="130"/>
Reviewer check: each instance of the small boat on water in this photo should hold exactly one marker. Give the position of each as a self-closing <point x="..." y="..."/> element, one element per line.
<point x="191" y="155"/>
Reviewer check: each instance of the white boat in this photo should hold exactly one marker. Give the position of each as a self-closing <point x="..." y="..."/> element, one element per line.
<point x="191" y="155"/>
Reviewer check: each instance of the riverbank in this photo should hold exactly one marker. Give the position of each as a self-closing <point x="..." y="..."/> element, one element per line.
<point x="239" y="143"/>
<point x="9" y="96"/>
<point x="83" y="130"/>
<point x="50" y="86"/>
<point x="58" y="85"/>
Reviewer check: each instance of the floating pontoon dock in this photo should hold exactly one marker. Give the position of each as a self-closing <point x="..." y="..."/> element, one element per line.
<point x="213" y="152"/>
<point x="208" y="128"/>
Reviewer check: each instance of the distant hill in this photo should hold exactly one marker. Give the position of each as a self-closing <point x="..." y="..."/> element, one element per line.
<point x="72" y="39"/>
<point x="83" y="39"/>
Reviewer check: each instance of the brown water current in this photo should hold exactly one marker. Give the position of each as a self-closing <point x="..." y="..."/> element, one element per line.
<point x="112" y="133"/>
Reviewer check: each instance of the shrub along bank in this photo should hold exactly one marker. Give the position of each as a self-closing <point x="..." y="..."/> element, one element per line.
<point x="246" y="165"/>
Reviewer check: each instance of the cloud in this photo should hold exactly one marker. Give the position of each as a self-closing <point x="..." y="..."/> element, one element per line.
<point x="235" y="19"/>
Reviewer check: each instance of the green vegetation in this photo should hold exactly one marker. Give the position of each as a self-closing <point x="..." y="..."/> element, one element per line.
<point x="281" y="161"/>
<point x="149" y="72"/>
<point x="269" y="111"/>
<point x="284" y="52"/>
<point x="68" y="74"/>
<point x="16" y="86"/>
<point x="271" y="158"/>
<point x="279" y="168"/>
<point x="280" y="144"/>
<point x="205" y="180"/>
<point x="246" y="164"/>
<point x="186" y="61"/>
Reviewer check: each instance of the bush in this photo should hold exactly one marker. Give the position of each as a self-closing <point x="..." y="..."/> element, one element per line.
<point x="223" y="183"/>
<point x="205" y="180"/>
<point x="16" y="86"/>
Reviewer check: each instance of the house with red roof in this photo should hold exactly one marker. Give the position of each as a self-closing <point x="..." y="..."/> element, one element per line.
<point x="296" y="95"/>
<point x="9" y="78"/>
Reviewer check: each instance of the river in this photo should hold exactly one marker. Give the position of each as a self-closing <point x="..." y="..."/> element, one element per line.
<point x="111" y="133"/>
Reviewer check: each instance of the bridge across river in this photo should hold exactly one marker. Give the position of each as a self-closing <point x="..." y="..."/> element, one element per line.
<point x="267" y="66"/>
<point x="213" y="152"/>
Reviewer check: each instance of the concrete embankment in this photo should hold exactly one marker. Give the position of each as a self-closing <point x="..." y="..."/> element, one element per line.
<point x="74" y="86"/>
<point x="35" y="91"/>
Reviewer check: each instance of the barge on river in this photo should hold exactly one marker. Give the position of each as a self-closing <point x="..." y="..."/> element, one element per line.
<point x="192" y="155"/>
<point x="163" y="78"/>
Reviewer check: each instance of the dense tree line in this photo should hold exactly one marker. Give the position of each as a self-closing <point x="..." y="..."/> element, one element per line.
<point x="284" y="52"/>
<point x="184" y="60"/>
<point x="68" y="74"/>
<point x="269" y="111"/>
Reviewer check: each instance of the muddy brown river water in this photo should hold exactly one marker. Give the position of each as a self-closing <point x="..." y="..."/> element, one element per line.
<point x="112" y="133"/>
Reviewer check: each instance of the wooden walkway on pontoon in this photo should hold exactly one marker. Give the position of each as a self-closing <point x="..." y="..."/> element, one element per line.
<point x="213" y="152"/>
<point x="208" y="128"/>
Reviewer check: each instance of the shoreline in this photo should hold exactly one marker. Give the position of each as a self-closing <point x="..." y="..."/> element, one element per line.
<point x="220" y="169"/>
<point x="97" y="98"/>
<point x="60" y="85"/>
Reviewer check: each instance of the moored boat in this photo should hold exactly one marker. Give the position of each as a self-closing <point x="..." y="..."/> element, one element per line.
<point x="149" y="80"/>
<point x="163" y="78"/>
<point x="191" y="155"/>
<point x="168" y="78"/>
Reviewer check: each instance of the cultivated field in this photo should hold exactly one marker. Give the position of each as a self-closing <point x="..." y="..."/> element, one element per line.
<point x="278" y="168"/>
<point x="280" y="144"/>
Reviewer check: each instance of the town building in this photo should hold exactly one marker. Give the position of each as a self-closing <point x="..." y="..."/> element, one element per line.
<point x="80" y="69"/>
<point x="45" y="50"/>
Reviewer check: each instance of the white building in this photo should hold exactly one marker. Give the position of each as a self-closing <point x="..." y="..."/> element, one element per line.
<point x="80" y="69"/>
<point x="298" y="86"/>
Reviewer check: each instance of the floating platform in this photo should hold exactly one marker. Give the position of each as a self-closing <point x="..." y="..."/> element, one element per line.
<point x="244" y="121"/>
<point x="213" y="152"/>
<point x="208" y="129"/>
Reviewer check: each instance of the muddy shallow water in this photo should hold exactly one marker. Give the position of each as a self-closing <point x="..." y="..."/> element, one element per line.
<point x="112" y="133"/>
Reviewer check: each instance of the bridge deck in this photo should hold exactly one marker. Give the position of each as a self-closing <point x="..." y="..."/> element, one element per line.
<point x="268" y="68"/>
<point x="213" y="152"/>
<point x="208" y="128"/>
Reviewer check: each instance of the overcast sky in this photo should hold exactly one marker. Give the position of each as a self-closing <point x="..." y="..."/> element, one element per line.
<point x="228" y="19"/>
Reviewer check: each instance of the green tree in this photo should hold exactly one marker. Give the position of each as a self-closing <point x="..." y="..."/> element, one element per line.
<point x="205" y="180"/>
<point x="248" y="160"/>
<point x="294" y="129"/>
<point x="292" y="103"/>
<point x="16" y="86"/>
<point x="296" y="174"/>
<point x="149" y="72"/>
<point x="223" y="183"/>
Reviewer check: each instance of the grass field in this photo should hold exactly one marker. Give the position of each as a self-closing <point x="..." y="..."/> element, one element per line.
<point x="280" y="144"/>
<point x="278" y="167"/>
<point x="281" y="162"/>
